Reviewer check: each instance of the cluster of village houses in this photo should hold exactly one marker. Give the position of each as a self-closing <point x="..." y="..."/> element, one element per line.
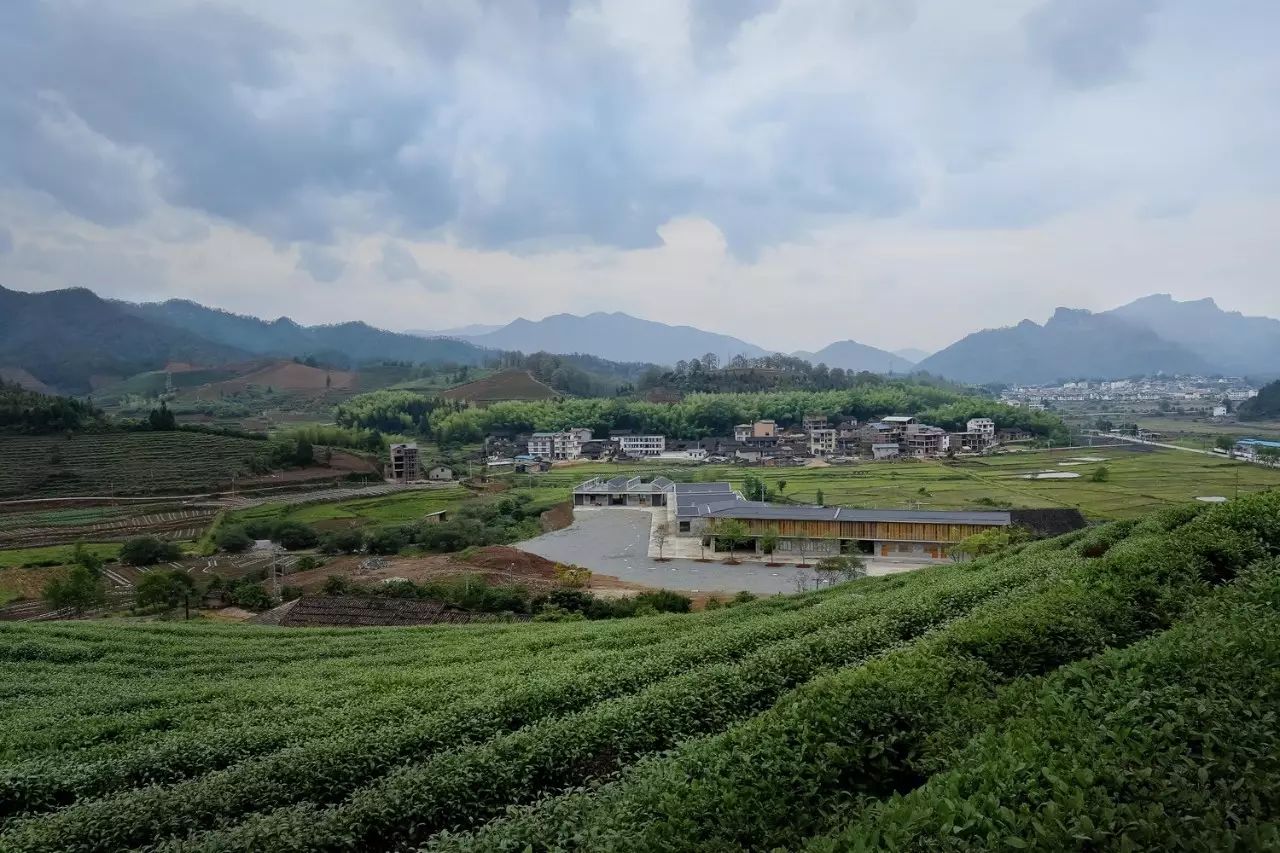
<point x="764" y="442"/>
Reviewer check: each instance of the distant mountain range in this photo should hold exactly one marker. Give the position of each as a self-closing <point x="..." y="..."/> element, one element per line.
<point x="1154" y="334"/>
<point x="621" y="337"/>
<point x="616" y="336"/>
<point x="72" y="340"/>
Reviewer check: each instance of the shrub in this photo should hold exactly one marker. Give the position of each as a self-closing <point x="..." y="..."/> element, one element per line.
<point x="294" y="535"/>
<point x="388" y="540"/>
<point x="148" y="550"/>
<point x="165" y="589"/>
<point x="233" y="540"/>
<point x="336" y="585"/>
<point x="343" y="542"/>
<point x="664" y="601"/>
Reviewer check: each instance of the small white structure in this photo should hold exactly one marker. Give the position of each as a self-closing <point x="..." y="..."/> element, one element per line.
<point x="641" y="445"/>
<point x="693" y="454"/>
<point x="440" y="473"/>
<point x="1219" y="411"/>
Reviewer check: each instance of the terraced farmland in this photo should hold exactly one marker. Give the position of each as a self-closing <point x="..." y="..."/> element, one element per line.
<point x="138" y="463"/>
<point x="101" y="524"/>
<point x="1112" y="689"/>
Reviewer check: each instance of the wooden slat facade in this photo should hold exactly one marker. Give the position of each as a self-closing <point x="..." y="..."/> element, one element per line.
<point x="878" y="531"/>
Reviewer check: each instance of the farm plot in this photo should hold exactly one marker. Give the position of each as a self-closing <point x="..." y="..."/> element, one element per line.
<point x="121" y="463"/>
<point x="395" y="506"/>
<point x="101" y="524"/>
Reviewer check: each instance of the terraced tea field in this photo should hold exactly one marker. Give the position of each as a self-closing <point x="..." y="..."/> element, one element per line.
<point x="129" y="463"/>
<point x="1114" y="689"/>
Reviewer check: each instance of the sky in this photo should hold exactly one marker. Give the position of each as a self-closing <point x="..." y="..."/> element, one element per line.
<point x="792" y="172"/>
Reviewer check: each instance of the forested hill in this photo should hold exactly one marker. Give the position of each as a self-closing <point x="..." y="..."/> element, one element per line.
<point x="29" y="413"/>
<point x="696" y="416"/>
<point x="1265" y="406"/>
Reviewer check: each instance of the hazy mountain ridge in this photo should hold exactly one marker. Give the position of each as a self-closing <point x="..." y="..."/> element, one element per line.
<point x="355" y="341"/>
<point x="852" y="355"/>
<point x="615" y="336"/>
<point x="1071" y="344"/>
<point x="1235" y="343"/>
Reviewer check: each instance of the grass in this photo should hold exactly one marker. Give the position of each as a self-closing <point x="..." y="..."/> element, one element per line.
<point x="1140" y="480"/>
<point x="397" y="508"/>
<point x="18" y="557"/>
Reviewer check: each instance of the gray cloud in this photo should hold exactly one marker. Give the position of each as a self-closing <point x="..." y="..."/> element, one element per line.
<point x="323" y="266"/>
<point x="6" y="240"/>
<point x="1089" y="42"/>
<point x="398" y="264"/>
<point x="528" y="126"/>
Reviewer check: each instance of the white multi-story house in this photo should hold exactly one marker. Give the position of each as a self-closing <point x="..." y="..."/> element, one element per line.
<point x="559" y="445"/>
<point x="822" y="442"/>
<point x="641" y="445"/>
<point x="742" y="432"/>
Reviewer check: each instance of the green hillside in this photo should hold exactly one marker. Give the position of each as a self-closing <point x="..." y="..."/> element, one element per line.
<point x="1114" y="689"/>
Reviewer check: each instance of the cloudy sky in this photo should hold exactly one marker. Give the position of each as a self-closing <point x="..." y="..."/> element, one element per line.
<point x="899" y="172"/>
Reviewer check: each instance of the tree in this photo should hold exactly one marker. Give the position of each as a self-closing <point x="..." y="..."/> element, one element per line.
<point x="846" y="567"/>
<point x="732" y="532"/>
<point x="820" y="499"/>
<point x="165" y="589"/>
<point x="303" y="452"/>
<point x="233" y="540"/>
<point x="343" y="542"/>
<point x="769" y="540"/>
<point x="988" y="542"/>
<point x="148" y="550"/>
<point x="1225" y="442"/>
<point x="1104" y="425"/>
<point x="1101" y="474"/>
<point x="162" y="419"/>
<point x="782" y="486"/>
<point x="79" y="589"/>
<point x="82" y="556"/>
<point x="660" y="534"/>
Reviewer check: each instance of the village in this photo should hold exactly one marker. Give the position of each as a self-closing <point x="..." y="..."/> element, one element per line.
<point x="815" y="440"/>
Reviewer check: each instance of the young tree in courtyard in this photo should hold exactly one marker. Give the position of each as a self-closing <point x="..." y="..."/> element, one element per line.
<point x="660" y="534"/>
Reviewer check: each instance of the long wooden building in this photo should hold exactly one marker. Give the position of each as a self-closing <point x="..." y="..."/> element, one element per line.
<point x="700" y="509"/>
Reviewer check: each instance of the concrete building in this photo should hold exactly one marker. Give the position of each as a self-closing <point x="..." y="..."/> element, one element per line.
<point x="691" y="454"/>
<point x="813" y="421"/>
<point x="742" y="432"/>
<point x="641" y="445"/>
<point x="922" y="440"/>
<point x="982" y="426"/>
<point x="406" y="466"/>
<point x="559" y="445"/>
<point x="764" y="429"/>
<point x="440" y="473"/>
<point x="823" y="441"/>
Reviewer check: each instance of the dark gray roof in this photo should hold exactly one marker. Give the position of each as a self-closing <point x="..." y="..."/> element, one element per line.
<point x="702" y="488"/>
<point x="750" y="509"/>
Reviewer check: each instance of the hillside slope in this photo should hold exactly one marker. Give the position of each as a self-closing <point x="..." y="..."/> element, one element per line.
<point x="1035" y="699"/>
<point x="353" y="342"/>
<point x="1072" y="344"/>
<point x="68" y="338"/>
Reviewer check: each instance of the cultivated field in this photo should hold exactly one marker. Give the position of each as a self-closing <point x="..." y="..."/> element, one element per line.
<point x="1113" y="689"/>
<point x="400" y="507"/>
<point x="504" y="385"/>
<point x="133" y="463"/>
<point x="1140" y="479"/>
<point x="101" y="524"/>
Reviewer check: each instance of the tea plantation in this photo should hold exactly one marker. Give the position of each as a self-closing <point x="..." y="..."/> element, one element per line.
<point x="1116" y="689"/>
<point x="121" y="463"/>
